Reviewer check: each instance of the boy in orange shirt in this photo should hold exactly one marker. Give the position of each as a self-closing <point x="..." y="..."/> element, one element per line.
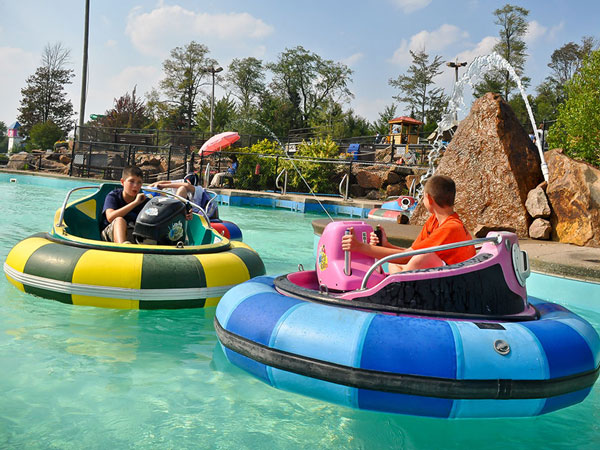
<point x="442" y="227"/>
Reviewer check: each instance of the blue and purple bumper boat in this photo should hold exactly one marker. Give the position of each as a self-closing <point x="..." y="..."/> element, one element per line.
<point x="458" y="341"/>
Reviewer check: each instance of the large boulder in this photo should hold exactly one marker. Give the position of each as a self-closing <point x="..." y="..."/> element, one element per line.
<point x="574" y="194"/>
<point x="537" y="203"/>
<point x="21" y="161"/>
<point x="370" y="177"/>
<point x="494" y="164"/>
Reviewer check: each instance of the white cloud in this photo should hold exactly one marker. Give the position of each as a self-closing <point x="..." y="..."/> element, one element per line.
<point x="167" y="26"/>
<point x="353" y="59"/>
<point x="409" y="6"/>
<point x="17" y="65"/>
<point x="555" y="30"/>
<point x="535" y="31"/>
<point x="483" y="47"/>
<point x="431" y="41"/>
<point x="369" y="108"/>
<point x="103" y="87"/>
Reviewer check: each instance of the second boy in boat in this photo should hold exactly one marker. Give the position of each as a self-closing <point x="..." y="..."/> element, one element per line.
<point x="442" y="227"/>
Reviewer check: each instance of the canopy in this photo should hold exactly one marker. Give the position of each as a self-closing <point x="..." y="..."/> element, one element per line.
<point x="219" y="142"/>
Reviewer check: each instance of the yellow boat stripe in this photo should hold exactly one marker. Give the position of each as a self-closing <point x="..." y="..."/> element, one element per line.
<point x="114" y="269"/>
<point x="88" y="208"/>
<point x="222" y="269"/>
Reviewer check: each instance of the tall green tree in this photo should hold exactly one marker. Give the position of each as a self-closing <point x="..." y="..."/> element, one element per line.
<point x="128" y="111"/>
<point x="382" y="125"/>
<point x="225" y="112"/>
<point x="308" y="81"/>
<point x="185" y="73"/>
<point x="246" y="80"/>
<point x="44" y="98"/>
<point x="512" y="21"/>
<point x="578" y="121"/>
<point x="416" y="87"/>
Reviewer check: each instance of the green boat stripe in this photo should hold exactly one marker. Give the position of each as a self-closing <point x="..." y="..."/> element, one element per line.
<point x="185" y="271"/>
<point x="252" y="261"/>
<point x="54" y="261"/>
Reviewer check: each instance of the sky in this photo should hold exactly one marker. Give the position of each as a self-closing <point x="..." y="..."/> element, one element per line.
<point x="129" y="40"/>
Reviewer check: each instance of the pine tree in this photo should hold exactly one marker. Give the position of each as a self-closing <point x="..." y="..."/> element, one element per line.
<point x="44" y="97"/>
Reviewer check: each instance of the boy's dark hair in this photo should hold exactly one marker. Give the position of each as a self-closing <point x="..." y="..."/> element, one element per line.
<point x="135" y="171"/>
<point x="442" y="189"/>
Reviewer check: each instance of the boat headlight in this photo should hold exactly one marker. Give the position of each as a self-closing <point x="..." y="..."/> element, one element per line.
<point x="520" y="261"/>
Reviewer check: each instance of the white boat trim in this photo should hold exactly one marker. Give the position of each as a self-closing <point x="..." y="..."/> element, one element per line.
<point x="91" y="290"/>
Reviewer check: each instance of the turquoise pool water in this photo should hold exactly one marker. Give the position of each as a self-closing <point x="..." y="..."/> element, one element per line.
<point x="83" y="377"/>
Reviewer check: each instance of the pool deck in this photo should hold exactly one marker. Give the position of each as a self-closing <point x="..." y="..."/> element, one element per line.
<point x="552" y="258"/>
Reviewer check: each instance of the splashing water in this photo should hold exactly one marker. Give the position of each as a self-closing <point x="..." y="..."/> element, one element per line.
<point x="480" y="66"/>
<point x="271" y="134"/>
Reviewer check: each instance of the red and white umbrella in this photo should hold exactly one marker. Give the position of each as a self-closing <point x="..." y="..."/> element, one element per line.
<point x="219" y="142"/>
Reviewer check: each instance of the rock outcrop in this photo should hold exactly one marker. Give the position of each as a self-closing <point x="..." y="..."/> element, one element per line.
<point x="574" y="194"/>
<point x="494" y="164"/>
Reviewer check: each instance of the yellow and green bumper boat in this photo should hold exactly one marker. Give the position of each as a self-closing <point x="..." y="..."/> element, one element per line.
<point x="73" y="265"/>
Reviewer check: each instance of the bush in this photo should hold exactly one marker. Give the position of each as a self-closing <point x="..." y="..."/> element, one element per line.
<point x="321" y="177"/>
<point x="44" y="135"/>
<point x="578" y="121"/>
<point x="246" y="177"/>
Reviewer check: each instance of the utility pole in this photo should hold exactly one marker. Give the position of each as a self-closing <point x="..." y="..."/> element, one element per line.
<point x="213" y="71"/>
<point x="455" y="64"/>
<point x="86" y="33"/>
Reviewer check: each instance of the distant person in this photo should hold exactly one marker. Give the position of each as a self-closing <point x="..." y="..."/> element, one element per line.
<point x="122" y="206"/>
<point x="189" y="187"/>
<point x="231" y="170"/>
<point x="442" y="227"/>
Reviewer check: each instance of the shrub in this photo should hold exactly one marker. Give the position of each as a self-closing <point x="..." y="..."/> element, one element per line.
<point x="578" y="123"/>
<point x="246" y="177"/>
<point x="44" y="135"/>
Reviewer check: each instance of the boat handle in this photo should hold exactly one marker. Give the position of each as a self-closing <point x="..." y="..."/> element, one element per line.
<point x="495" y="239"/>
<point x="61" y="218"/>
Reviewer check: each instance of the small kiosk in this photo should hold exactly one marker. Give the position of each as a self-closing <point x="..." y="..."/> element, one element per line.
<point x="14" y="140"/>
<point x="404" y="130"/>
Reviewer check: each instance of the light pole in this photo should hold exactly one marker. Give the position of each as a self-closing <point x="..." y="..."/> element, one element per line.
<point x="212" y="70"/>
<point x="86" y="32"/>
<point x="455" y="64"/>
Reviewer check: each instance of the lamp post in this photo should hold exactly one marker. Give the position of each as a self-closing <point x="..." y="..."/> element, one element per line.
<point x="212" y="70"/>
<point x="86" y="32"/>
<point x="455" y="64"/>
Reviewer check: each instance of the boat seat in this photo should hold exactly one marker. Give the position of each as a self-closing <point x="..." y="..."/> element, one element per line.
<point x="82" y="217"/>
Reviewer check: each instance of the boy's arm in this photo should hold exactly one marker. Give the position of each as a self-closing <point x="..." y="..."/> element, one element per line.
<point x="112" y="214"/>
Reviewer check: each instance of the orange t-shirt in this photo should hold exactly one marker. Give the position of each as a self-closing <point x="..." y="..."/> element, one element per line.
<point x="449" y="231"/>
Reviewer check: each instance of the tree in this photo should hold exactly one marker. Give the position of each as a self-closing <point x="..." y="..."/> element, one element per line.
<point x="185" y="72"/>
<point x="565" y="62"/>
<point x="224" y="113"/>
<point x="246" y="81"/>
<point x="128" y="112"/>
<point x="44" y="134"/>
<point x="382" y="125"/>
<point x="578" y="121"/>
<point x="511" y="46"/>
<point x="44" y="98"/>
<point x="307" y="81"/>
<point x="416" y="87"/>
